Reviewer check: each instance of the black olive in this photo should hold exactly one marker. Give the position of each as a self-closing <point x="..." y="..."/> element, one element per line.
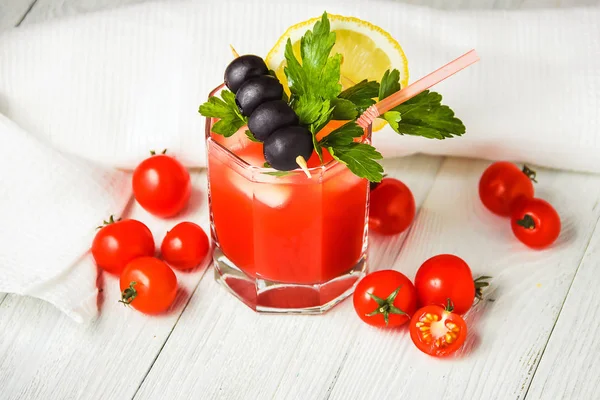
<point x="256" y="91"/>
<point x="243" y="68"/>
<point x="270" y="116"/>
<point x="284" y="145"/>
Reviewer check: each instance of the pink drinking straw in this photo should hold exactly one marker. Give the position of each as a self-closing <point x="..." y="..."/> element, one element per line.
<point x="417" y="87"/>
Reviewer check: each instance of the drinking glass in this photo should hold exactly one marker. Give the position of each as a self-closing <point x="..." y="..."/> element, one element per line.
<point x="284" y="243"/>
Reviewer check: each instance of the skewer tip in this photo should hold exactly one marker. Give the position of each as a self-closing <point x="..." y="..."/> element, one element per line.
<point x="302" y="164"/>
<point x="235" y="53"/>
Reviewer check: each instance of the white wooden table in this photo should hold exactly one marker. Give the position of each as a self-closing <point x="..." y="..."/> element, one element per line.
<point x="536" y="335"/>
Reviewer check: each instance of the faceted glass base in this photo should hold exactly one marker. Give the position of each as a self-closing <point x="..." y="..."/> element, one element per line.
<point x="274" y="297"/>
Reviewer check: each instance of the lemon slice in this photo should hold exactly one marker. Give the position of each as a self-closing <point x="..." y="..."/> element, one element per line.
<point x="367" y="51"/>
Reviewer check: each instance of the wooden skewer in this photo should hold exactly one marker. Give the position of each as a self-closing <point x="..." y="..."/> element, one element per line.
<point x="302" y="164"/>
<point x="299" y="160"/>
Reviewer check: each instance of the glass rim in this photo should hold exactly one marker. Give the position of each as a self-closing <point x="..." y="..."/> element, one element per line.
<point x="244" y="164"/>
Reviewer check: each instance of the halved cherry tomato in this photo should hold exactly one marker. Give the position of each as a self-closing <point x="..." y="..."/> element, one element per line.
<point x="536" y="223"/>
<point x="385" y="298"/>
<point x="161" y="185"/>
<point x="391" y="208"/>
<point x="503" y="184"/>
<point x="119" y="242"/>
<point x="184" y="246"/>
<point x="444" y="277"/>
<point x="437" y="331"/>
<point x="148" y="285"/>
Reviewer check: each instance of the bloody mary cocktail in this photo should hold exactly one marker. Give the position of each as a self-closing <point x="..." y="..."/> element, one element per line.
<point x="289" y="164"/>
<point x="285" y="242"/>
<point x="290" y="167"/>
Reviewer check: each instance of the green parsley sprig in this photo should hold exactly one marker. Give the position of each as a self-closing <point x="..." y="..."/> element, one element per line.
<point x="317" y="98"/>
<point x="314" y="80"/>
<point x="423" y="115"/>
<point x="230" y="118"/>
<point x="361" y="95"/>
<point x="360" y="158"/>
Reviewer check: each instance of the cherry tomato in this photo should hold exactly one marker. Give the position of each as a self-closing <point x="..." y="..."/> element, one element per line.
<point x="392" y="207"/>
<point x="444" y="277"/>
<point x="184" y="246"/>
<point x="117" y="243"/>
<point x="503" y="184"/>
<point x="148" y="285"/>
<point x="536" y="223"/>
<point x="385" y="298"/>
<point x="437" y="331"/>
<point x="161" y="185"/>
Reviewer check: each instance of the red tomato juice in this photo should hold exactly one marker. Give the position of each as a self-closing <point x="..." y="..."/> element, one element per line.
<point x="287" y="229"/>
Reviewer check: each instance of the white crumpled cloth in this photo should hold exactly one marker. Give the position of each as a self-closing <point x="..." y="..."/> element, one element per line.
<point x="82" y="97"/>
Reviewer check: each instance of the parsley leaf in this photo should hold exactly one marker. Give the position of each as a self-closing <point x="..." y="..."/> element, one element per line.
<point x="278" y="173"/>
<point x="425" y="116"/>
<point x="293" y="72"/>
<point x="343" y="109"/>
<point x="214" y="108"/>
<point x="230" y="118"/>
<point x="323" y="118"/>
<point x="319" y="73"/>
<point x="309" y="109"/>
<point x="275" y="173"/>
<point x="342" y="136"/>
<point x="251" y="137"/>
<point x="393" y="118"/>
<point x="330" y="77"/>
<point x="359" y="157"/>
<point x="314" y="82"/>
<point x="390" y="83"/>
<point x="227" y="127"/>
<point x="362" y="94"/>
<point x="317" y="147"/>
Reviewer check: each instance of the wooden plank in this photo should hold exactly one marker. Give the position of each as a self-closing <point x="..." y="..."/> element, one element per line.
<point x="570" y="364"/>
<point x="222" y="349"/>
<point x="507" y="336"/>
<point x="12" y="12"/>
<point x="45" y="355"/>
